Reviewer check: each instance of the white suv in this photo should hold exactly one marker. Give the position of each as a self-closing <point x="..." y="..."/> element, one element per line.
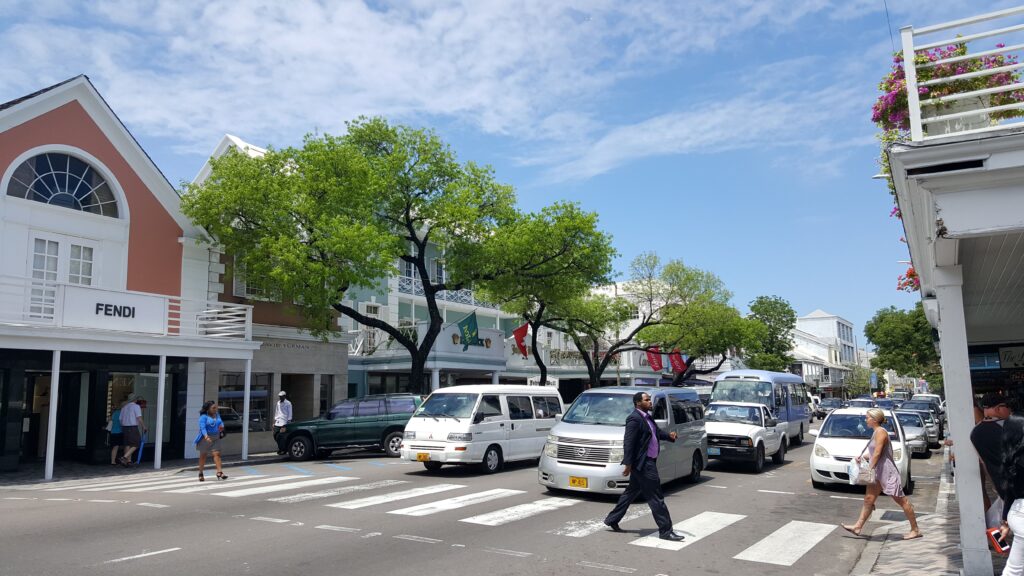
<point x="744" y="431"/>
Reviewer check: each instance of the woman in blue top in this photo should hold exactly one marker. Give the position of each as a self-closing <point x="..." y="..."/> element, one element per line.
<point x="208" y="439"/>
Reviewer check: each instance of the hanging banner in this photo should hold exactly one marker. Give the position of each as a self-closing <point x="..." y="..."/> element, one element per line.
<point x="675" y="359"/>
<point x="654" y="359"/>
<point x="520" y="337"/>
<point x="469" y="333"/>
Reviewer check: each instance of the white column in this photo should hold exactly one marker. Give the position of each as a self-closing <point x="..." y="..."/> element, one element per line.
<point x="435" y="379"/>
<point x="960" y="412"/>
<point x="51" y="424"/>
<point x="161" y="384"/>
<point x="245" y="409"/>
<point x="494" y="377"/>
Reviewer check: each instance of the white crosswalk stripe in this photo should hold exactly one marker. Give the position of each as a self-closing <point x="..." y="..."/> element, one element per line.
<point x="282" y="487"/>
<point x="787" y="544"/>
<point x="456" y="502"/>
<point x="329" y="493"/>
<point x="694" y="529"/>
<point x="394" y="496"/>
<point x="112" y="484"/>
<point x="245" y="480"/>
<point x="582" y="528"/>
<point x="161" y="487"/>
<point x="139" y="484"/>
<point x="513" y="513"/>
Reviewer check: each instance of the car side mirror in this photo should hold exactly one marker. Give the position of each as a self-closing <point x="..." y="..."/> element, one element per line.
<point x="771" y="423"/>
<point x="813" y="432"/>
<point x="558" y="417"/>
<point x="478" y="417"/>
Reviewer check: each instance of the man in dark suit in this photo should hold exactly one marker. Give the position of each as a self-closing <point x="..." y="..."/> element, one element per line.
<point x="640" y="457"/>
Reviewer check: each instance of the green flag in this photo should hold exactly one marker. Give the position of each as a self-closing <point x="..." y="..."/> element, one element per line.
<point x="469" y="332"/>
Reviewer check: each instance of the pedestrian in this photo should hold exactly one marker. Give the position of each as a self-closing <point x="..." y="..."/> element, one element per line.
<point x="116" y="434"/>
<point x="211" y="429"/>
<point x="282" y="417"/>
<point x="987" y="437"/>
<point x="132" y="427"/>
<point x="887" y="476"/>
<point x="1011" y="475"/>
<point x="640" y="458"/>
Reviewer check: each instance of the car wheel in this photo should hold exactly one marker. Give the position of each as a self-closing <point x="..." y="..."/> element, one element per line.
<point x="695" y="468"/>
<point x="909" y="488"/>
<point x="799" y="437"/>
<point x="817" y="485"/>
<point x="432" y="466"/>
<point x="928" y="453"/>
<point x="492" y="460"/>
<point x="780" y="455"/>
<point x="393" y="444"/>
<point x="300" y="448"/>
<point x="758" y="463"/>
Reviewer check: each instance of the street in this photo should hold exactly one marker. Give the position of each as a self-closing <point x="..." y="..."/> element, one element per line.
<point x="362" y="513"/>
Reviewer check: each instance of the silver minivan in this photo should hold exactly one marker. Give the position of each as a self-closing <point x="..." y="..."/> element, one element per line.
<point x="584" y="450"/>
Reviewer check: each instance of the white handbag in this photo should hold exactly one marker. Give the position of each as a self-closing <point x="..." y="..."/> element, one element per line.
<point x="860" y="474"/>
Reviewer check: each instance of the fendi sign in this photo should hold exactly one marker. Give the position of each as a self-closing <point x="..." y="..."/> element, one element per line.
<point x="108" y="310"/>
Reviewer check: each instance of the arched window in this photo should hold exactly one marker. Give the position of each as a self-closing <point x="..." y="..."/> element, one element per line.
<point x="63" y="180"/>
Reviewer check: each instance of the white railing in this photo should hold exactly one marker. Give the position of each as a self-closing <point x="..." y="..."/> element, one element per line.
<point x="31" y="302"/>
<point x="414" y="286"/>
<point x="993" y="43"/>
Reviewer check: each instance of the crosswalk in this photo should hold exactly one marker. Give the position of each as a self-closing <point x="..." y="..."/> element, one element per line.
<point x="494" y="507"/>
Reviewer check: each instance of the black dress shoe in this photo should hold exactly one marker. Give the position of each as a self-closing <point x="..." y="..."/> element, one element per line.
<point x="614" y="526"/>
<point x="673" y="536"/>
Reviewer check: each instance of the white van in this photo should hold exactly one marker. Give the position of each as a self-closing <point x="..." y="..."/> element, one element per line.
<point x="584" y="451"/>
<point x="486" y="424"/>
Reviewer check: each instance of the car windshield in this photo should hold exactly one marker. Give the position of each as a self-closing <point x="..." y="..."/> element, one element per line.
<point x="885" y="403"/>
<point x="910" y="420"/>
<point x="600" y="408"/>
<point x="916" y="405"/>
<point x="742" y="391"/>
<point x="851" y="426"/>
<point x="448" y="405"/>
<point x="862" y="403"/>
<point x="730" y="413"/>
<point x="832" y="402"/>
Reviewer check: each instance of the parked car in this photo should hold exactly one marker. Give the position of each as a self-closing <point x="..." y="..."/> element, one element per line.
<point x="862" y="403"/>
<point x="930" y="425"/>
<point x="931" y="407"/>
<point x="370" y="421"/>
<point x="887" y="404"/>
<point x="843" y="436"/>
<point x="744" y="432"/>
<point x="916" y="432"/>
<point x="827" y="405"/>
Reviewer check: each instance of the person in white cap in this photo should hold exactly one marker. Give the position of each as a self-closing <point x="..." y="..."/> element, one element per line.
<point x="282" y="416"/>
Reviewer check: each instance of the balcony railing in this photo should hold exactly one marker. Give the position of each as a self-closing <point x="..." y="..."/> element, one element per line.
<point x="965" y="107"/>
<point x="414" y="286"/>
<point x="32" y="302"/>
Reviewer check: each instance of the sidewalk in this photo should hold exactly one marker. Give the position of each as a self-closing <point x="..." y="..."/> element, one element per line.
<point x="937" y="553"/>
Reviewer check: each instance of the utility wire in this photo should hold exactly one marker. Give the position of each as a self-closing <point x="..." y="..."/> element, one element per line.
<point x="889" y="25"/>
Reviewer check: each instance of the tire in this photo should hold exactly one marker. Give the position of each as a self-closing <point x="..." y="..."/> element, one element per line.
<point x="300" y="448"/>
<point x="908" y="488"/>
<point x="928" y="453"/>
<point x="758" y="464"/>
<point x="780" y="455"/>
<point x="392" y="444"/>
<point x="696" y="466"/>
<point x="492" y="460"/>
<point x="817" y="485"/>
<point x="432" y="466"/>
<point x="799" y="437"/>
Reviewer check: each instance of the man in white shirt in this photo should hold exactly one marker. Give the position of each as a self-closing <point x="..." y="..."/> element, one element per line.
<point x="282" y="416"/>
<point x="132" y="427"/>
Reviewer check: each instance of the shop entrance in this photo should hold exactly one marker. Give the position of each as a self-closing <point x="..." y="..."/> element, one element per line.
<point x="72" y="416"/>
<point x="300" y="392"/>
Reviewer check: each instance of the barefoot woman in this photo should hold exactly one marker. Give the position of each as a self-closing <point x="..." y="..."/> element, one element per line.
<point x="887" y="476"/>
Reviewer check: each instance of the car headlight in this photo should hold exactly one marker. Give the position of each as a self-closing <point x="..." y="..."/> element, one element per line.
<point x="410" y="435"/>
<point x="551" y="450"/>
<point x="897" y="453"/>
<point x="746" y="442"/>
<point x="617" y="443"/>
<point x="552" y="438"/>
<point x="820" y="451"/>
<point x="460" y="437"/>
<point x="616" y="455"/>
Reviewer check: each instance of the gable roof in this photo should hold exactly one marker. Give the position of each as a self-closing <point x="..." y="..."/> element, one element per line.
<point x="82" y="90"/>
<point x="227" y="142"/>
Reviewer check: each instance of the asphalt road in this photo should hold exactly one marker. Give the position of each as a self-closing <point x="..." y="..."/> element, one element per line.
<point x="343" y="516"/>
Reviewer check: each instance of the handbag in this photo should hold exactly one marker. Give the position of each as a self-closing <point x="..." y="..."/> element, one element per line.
<point x="110" y="426"/>
<point x="861" y="474"/>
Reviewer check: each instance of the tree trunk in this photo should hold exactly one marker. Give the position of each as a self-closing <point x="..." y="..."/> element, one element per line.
<point x="536" y="352"/>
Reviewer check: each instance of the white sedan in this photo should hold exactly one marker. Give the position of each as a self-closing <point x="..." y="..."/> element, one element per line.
<point x="843" y="436"/>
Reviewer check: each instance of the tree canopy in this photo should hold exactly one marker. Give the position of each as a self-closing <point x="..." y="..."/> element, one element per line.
<point x="903" y="343"/>
<point x="770" y="343"/>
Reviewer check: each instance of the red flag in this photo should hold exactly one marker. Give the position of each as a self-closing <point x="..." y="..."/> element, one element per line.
<point x="520" y="336"/>
<point x="677" y="362"/>
<point x="654" y="359"/>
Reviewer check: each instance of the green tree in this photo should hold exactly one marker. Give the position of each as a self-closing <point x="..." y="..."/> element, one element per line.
<point x="903" y="343"/>
<point x="344" y="212"/>
<point x="770" y="345"/>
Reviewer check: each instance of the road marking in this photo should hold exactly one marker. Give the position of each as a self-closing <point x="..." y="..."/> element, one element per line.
<point x="103" y="501"/>
<point x="214" y="485"/>
<point x="845" y="498"/>
<point x="371" y="534"/>
<point x="694" y="529"/>
<point x="137" y="556"/>
<point x="151" y="505"/>
<point x="777" y="492"/>
<point x="299" y="470"/>
<point x="338" y="528"/>
<point x="787" y="544"/>
<point x="719" y="487"/>
<point x="611" y="567"/>
<point x="19" y="498"/>
<point x="581" y="528"/>
<point x="393" y="496"/>
<point x="338" y="466"/>
<point x="457" y="502"/>
<point x="282" y="487"/>
<point x="112" y="483"/>
<point x="251" y="470"/>
<point x="162" y="486"/>
<point x="515" y="553"/>
<point x="306" y="496"/>
<point x="422" y="539"/>
<point x="272" y="520"/>
<point x="59" y="499"/>
<point x="513" y="513"/>
<point x="122" y="487"/>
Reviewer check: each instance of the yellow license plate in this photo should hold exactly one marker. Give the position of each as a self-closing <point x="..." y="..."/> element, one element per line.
<point x="577" y="482"/>
<point x="422" y="456"/>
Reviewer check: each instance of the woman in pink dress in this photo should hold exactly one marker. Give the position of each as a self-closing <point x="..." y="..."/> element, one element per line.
<point x="887" y="477"/>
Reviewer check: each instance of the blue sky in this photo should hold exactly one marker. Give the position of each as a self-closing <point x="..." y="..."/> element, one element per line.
<point x="734" y="135"/>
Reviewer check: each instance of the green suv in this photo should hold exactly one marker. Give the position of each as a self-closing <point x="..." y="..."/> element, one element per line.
<point x="357" y="422"/>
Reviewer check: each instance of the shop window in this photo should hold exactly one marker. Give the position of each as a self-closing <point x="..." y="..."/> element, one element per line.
<point x="63" y="180"/>
<point x="231" y="394"/>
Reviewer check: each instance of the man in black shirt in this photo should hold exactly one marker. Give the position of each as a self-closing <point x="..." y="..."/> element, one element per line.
<point x="987" y="437"/>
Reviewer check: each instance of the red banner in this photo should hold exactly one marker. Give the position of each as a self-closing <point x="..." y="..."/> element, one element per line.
<point x="675" y="359"/>
<point x="654" y="359"/>
<point x="520" y="336"/>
